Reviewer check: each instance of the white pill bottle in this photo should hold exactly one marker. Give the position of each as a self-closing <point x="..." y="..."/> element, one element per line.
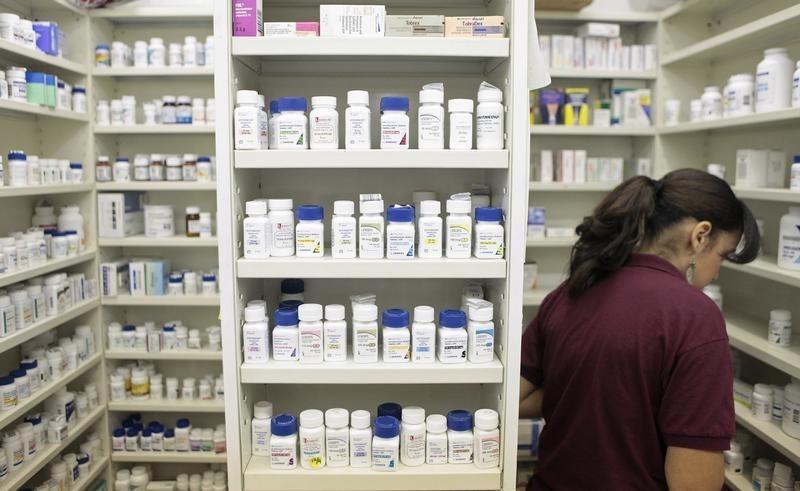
<point x="490" y="118"/>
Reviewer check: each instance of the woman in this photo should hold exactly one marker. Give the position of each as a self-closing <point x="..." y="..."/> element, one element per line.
<point x="628" y="361"/>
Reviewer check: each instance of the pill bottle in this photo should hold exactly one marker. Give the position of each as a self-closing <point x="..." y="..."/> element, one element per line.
<point x="489" y="233"/>
<point x="452" y="337"/>
<point x="423" y="335"/>
<point x="789" y="241"/>
<point x="204" y="169"/>
<point x="292" y="124"/>
<point x="281" y="218"/>
<point x="762" y="402"/>
<point x="460" y="123"/>
<point x="487" y="439"/>
<point x="8" y="393"/>
<point x="79" y="99"/>
<point x="103" y="113"/>
<point x="480" y="330"/>
<point x="292" y="289"/>
<point x="337" y="437"/>
<point x="189" y="167"/>
<point x="394" y="123"/>
<point x="272" y="124"/>
<point x="734" y="459"/>
<point x="116" y="112"/>
<point x="17" y="168"/>
<point x="711" y="103"/>
<point x="156" y="167"/>
<point x="780" y="327"/>
<point x="774" y="81"/>
<point x="386" y="444"/>
<point x="310" y="329"/>
<point x="156" y="53"/>
<point x="412" y="436"/>
<point x="261" y="428"/>
<point x="310" y="231"/>
<point x="782" y="478"/>
<point x="390" y="409"/>
<point x="312" y="439"/>
<point x="335" y="333"/>
<point x="3" y="89"/>
<point x="794" y="180"/>
<point x="199" y="111"/>
<point x="370" y="230"/>
<point x="343" y="230"/>
<point x="324" y="123"/>
<point x="400" y="238"/>
<point x="430" y="230"/>
<point x="122" y="170"/>
<point x="188" y="51"/>
<point x="489" y="118"/>
<point x="365" y="333"/>
<point x="283" y="442"/>
<point x="459" y="229"/>
<point x="430" y="118"/>
<point x="459" y="437"/>
<point x="174" y="168"/>
<point x="182" y="430"/>
<point x="777" y="404"/>
<point x="762" y="474"/>
<point x="436" y="439"/>
<point x="256" y="335"/>
<point x="263" y="124"/>
<point x="358" y="135"/>
<point x="285" y="336"/>
<point x="192" y="221"/>
<point x="739" y="95"/>
<point x="246" y="119"/>
<point x="396" y="336"/>
<point x="257" y="230"/>
<point x="360" y="439"/>
<point x="17" y="85"/>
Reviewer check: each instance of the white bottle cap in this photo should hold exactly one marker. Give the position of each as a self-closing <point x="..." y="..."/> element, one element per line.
<point x="413" y="415"/>
<point x="431" y="96"/>
<point x="486" y="419"/>
<point x="337" y="417"/>
<point x="256" y="313"/>
<point x="262" y="409"/>
<point x="372" y="206"/>
<point x="323" y="101"/>
<point x="436" y="423"/>
<point x="357" y="97"/>
<point x="343" y="207"/>
<point x="360" y="419"/>
<point x="782" y="475"/>
<point x="309" y="312"/>
<point x="453" y="206"/>
<point x="254" y="303"/>
<point x="765" y="464"/>
<point x="311" y="418"/>
<point x="424" y="313"/>
<point x="780" y="315"/>
<point x="245" y="97"/>
<point x="480" y="310"/>
<point x="256" y="207"/>
<point x="365" y="312"/>
<point x="763" y="389"/>
<point x="280" y="204"/>
<point x="460" y="105"/>
<point x="735" y="446"/>
<point x="192" y="210"/>
<point x="489" y="94"/>
<point x="334" y="312"/>
<point x="430" y="207"/>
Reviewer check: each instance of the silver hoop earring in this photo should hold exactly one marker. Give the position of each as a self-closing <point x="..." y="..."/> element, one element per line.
<point x="690" y="271"/>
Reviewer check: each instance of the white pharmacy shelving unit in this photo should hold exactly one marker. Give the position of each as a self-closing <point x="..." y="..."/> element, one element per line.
<point x="386" y="66"/>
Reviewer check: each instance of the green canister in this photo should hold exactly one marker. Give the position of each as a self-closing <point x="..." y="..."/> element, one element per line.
<point x="36" y="83"/>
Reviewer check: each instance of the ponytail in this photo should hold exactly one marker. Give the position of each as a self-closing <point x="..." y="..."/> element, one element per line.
<point x="640" y="209"/>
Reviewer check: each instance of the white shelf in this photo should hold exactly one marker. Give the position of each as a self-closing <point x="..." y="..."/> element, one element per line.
<point x="602" y="74"/>
<point x="157" y="186"/>
<point x="598" y="15"/>
<point x="401" y="47"/>
<point x="349" y="372"/>
<point x="50" y="4"/>
<point x="156" y="129"/>
<point x="97" y="469"/>
<point x="16" y="107"/>
<point x="768" y="194"/>
<point x="17" y="479"/>
<point x="769" y="432"/>
<point x="258" y="476"/>
<point x="767" y="267"/>
<point x="26" y="57"/>
<point x="773" y="30"/>
<point x="142" y="241"/>
<point x="190" y="71"/>
<point x="782" y="116"/>
<point x="327" y="267"/>
<point x="552" y="242"/>
<point x="589" y="187"/>
<point x="26" y="405"/>
<point x="561" y="130"/>
<point x="48" y="267"/>
<point x="749" y="334"/>
<point x="19" y="337"/>
<point x="171" y="457"/>
<point x="162" y="301"/>
<point x="168" y="406"/>
<point x="149" y="13"/>
<point x="372" y="159"/>
<point x="534" y="298"/>
<point x="738" y="482"/>
<point x="182" y="355"/>
<point x="12" y="192"/>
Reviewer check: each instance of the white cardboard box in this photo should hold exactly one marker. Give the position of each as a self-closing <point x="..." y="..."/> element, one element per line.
<point x="352" y="20"/>
<point x="599" y="29"/>
<point x="120" y="214"/>
<point x="751" y="168"/>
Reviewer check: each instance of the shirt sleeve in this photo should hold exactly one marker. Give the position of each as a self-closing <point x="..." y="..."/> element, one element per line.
<point x="532" y="352"/>
<point x="697" y="407"/>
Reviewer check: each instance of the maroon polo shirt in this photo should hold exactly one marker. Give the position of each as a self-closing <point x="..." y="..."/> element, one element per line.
<point x="636" y="364"/>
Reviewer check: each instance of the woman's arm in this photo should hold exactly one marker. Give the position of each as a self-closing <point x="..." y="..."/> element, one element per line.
<point x="530" y="399"/>
<point x="694" y="470"/>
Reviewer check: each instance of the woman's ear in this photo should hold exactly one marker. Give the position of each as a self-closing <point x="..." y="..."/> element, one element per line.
<point x="701" y="235"/>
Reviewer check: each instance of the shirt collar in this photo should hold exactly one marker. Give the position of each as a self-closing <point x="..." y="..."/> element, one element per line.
<point x="639" y="260"/>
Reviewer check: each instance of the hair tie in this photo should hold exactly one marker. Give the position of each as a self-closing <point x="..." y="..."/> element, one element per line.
<point x="658" y="185"/>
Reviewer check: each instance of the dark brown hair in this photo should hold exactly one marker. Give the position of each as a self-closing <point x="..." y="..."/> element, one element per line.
<point x="640" y="209"/>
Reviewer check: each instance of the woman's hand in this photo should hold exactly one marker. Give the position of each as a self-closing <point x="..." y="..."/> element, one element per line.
<point x="530" y="399"/>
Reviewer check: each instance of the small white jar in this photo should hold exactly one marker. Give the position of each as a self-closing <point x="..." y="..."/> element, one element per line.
<point x="430" y="230"/>
<point x="292" y="124"/>
<point x="436" y="440"/>
<point x="774" y="81"/>
<point x="310" y="329"/>
<point x="371" y="230"/>
<point x="762" y="402"/>
<point x="246" y="117"/>
<point x="452" y="337"/>
<point x="460" y="123"/>
<point x="430" y="118"/>
<point x="358" y="117"/>
<point x="423" y="335"/>
<point x="490" y="118"/>
<point x="780" y="328"/>
<point x="261" y="428"/>
<point x="283" y="442"/>
<point x="324" y="123"/>
<point x="285" y="336"/>
<point x="487" y="439"/>
<point x="312" y="439"/>
<point x="335" y="334"/>
<point x="257" y="230"/>
<point x="460" y="440"/>
<point x="396" y="336"/>
<point x="156" y="52"/>
<point x="412" y="436"/>
<point x="344" y="236"/>
<point x="480" y="331"/>
<point x="739" y="95"/>
<point x="459" y="229"/>
<point x="400" y="232"/>
<point x="712" y="103"/>
<point x="310" y="231"/>
<point x="360" y="439"/>
<point x="395" y="126"/>
<point x="365" y="333"/>
<point x="386" y="444"/>
<point x="337" y="437"/>
<point x="281" y="218"/>
<point x="489" y="233"/>
<point x="796" y="87"/>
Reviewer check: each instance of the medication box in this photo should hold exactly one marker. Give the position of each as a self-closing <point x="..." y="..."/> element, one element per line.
<point x="120" y="214"/>
<point x="156" y="276"/>
<point x="114" y="278"/>
<point x="536" y="222"/>
<point x="599" y="29"/>
<point x="291" y="29"/>
<point x="492" y="26"/>
<point x="136" y="278"/>
<point x="431" y="26"/>
<point x="247" y="18"/>
<point x="48" y="37"/>
<point x="352" y="20"/>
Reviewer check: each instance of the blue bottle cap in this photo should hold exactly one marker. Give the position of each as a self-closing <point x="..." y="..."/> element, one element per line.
<point x="387" y="427"/>
<point x="286" y="316"/>
<point x="204" y="159"/>
<point x="29" y="365"/>
<point x="394" y="104"/>
<point x="273" y="106"/>
<point x="290" y="304"/>
<point x="19" y="372"/>
<point x="127" y="424"/>
<point x="182" y="423"/>
<point x="292" y="104"/>
<point x="146" y="432"/>
<point x="459" y="420"/>
<point x="82" y="458"/>
<point x="169" y="329"/>
<point x="452" y="318"/>
<point x="17" y="155"/>
<point x="390" y="409"/>
<point x="119" y="432"/>
<point x="169" y="433"/>
<point x="102" y="46"/>
<point x="797" y="159"/>
<point x="61" y="84"/>
<point x="79" y="89"/>
<point x="310" y="212"/>
<point x="156" y="427"/>
<point x="488" y="214"/>
<point x="34" y="77"/>
<point x="395" y="318"/>
<point x="136" y="417"/>
<point x="128" y="327"/>
<point x="292" y="286"/>
<point x="75" y="165"/>
<point x="209" y="277"/>
<point x="132" y="431"/>
<point x="400" y="213"/>
<point x="6" y="380"/>
<point x="283" y="425"/>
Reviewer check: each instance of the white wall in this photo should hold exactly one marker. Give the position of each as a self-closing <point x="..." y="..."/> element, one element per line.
<point x="628" y="5"/>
